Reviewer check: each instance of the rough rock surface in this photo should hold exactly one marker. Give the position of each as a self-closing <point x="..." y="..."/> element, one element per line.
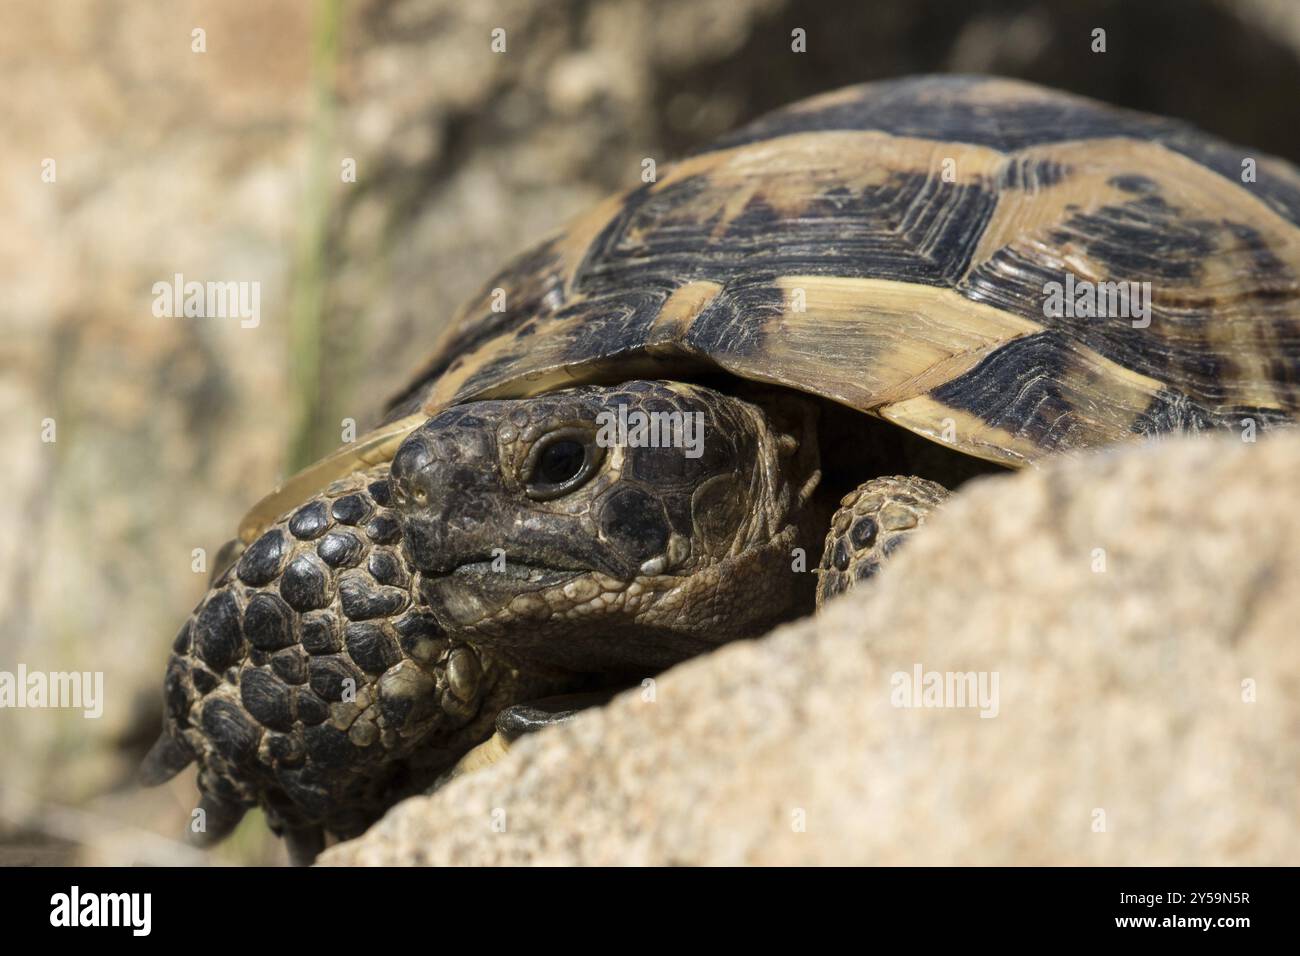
<point x="1139" y="608"/>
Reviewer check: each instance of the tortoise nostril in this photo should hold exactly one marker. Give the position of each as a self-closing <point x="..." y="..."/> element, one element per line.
<point x="408" y="471"/>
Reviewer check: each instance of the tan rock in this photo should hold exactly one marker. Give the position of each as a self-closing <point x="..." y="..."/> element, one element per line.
<point x="1138" y="609"/>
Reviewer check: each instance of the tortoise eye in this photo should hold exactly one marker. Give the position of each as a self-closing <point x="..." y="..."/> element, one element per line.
<point x="559" y="463"/>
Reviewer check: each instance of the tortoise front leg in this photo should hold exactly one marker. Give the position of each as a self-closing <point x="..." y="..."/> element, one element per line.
<point x="871" y="523"/>
<point x="312" y="681"/>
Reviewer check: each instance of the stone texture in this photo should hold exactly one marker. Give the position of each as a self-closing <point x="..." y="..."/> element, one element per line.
<point x="1123" y="599"/>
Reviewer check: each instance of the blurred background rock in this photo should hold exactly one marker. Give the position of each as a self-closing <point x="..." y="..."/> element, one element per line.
<point x="226" y="165"/>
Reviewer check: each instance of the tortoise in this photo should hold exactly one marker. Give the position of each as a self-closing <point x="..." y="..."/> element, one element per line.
<point x="712" y="404"/>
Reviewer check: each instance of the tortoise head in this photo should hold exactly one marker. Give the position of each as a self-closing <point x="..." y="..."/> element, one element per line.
<point x="602" y="527"/>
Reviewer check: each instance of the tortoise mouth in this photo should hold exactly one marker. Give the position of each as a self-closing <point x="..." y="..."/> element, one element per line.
<point x="515" y="573"/>
<point x="475" y="590"/>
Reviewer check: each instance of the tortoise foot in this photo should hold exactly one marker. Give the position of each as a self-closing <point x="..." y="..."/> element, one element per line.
<point x="872" y="522"/>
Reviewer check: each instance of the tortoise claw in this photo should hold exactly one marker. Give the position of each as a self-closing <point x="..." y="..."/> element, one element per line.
<point x="220" y="817"/>
<point x="527" y="718"/>
<point x="304" y="844"/>
<point x="166" y="758"/>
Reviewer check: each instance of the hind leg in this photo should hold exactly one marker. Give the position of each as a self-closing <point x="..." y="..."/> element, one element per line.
<point x="871" y="523"/>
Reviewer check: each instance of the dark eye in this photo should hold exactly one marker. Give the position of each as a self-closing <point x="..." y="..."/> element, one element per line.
<point x="560" y="463"/>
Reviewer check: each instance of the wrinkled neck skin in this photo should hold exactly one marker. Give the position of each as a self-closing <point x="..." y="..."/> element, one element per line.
<point x="653" y="558"/>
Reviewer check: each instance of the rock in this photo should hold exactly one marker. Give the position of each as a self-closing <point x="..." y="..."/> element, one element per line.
<point x="1138" y="608"/>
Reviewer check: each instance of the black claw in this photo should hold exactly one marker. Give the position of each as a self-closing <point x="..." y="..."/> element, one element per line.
<point x="166" y="758"/>
<point x="304" y="844"/>
<point x="220" y="818"/>
<point x="515" y="721"/>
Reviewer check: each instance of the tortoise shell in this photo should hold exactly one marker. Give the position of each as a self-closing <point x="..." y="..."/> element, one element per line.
<point x="890" y="247"/>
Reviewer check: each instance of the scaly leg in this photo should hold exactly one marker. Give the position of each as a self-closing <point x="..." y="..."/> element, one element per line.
<point x="871" y="523"/>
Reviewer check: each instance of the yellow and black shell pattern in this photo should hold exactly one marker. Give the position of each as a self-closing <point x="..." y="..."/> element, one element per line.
<point x="891" y="247"/>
